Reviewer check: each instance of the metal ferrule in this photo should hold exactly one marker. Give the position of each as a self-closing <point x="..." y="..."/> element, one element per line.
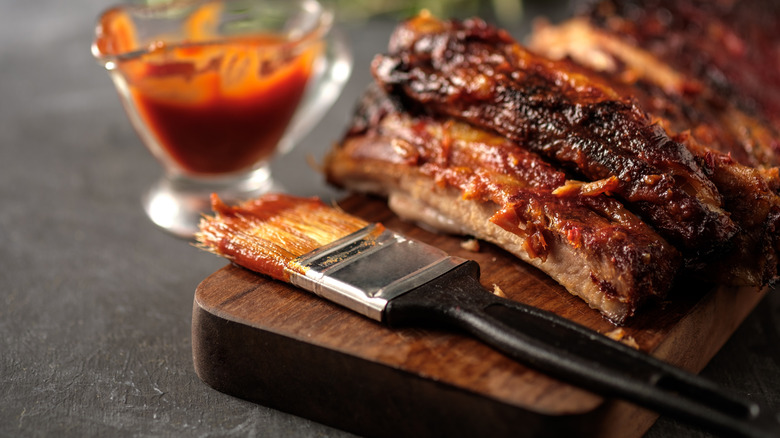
<point x="367" y="269"/>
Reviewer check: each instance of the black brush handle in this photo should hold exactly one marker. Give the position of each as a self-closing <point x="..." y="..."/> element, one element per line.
<point x="582" y="357"/>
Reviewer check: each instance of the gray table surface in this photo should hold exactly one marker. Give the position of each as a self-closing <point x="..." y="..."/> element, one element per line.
<point x="96" y="302"/>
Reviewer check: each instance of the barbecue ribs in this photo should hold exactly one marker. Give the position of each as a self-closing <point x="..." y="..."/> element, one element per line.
<point x="590" y="157"/>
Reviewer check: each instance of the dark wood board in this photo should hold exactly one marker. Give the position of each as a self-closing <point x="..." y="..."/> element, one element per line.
<point x="265" y="341"/>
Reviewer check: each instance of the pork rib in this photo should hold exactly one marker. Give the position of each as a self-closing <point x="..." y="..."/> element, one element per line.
<point x="730" y="47"/>
<point x="714" y="116"/>
<point x="713" y="94"/>
<point x="455" y="177"/>
<point x="476" y="73"/>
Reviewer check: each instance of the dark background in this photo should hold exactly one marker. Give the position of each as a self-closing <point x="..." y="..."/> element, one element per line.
<point x="96" y="302"/>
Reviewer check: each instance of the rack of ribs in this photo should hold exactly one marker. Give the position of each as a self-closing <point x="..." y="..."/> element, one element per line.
<point x="704" y="71"/>
<point x="600" y="173"/>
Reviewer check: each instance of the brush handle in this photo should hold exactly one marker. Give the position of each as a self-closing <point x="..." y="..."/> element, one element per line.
<point x="575" y="354"/>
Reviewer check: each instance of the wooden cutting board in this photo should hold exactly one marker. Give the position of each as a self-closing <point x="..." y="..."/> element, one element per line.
<point x="279" y="346"/>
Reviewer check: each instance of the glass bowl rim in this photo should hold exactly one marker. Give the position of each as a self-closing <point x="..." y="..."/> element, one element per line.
<point x="317" y="32"/>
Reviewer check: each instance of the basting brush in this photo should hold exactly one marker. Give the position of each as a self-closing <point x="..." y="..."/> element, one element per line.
<point x="403" y="282"/>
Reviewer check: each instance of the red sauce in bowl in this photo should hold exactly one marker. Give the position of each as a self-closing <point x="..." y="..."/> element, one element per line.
<point x="213" y="108"/>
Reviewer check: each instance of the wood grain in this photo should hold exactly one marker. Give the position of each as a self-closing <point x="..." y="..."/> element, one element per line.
<point x="265" y="341"/>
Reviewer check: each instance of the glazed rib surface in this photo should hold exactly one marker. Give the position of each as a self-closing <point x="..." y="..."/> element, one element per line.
<point x="476" y="73"/>
<point x="586" y="155"/>
<point x="709" y="96"/>
<point x="453" y="176"/>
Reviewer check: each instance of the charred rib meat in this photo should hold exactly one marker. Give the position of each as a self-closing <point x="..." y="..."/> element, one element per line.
<point x="477" y="73"/>
<point x="594" y="155"/>
<point x="453" y="176"/>
<point x="713" y="94"/>
<point x="729" y="47"/>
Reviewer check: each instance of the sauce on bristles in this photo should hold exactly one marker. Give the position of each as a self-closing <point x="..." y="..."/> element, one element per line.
<point x="266" y="234"/>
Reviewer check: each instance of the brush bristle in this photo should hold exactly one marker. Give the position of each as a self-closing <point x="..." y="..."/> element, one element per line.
<point x="266" y="234"/>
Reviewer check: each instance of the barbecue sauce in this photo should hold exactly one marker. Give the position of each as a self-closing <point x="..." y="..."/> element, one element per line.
<point x="267" y="234"/>
<point x="213" y="108"/>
